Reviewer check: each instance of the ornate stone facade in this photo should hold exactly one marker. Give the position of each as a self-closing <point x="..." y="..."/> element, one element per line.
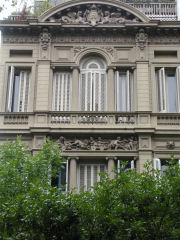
<point x="83" y="55"/>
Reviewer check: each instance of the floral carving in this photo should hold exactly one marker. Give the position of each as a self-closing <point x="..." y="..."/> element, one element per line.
<point x="78" y="49"/>
<point x="98" y="144"/>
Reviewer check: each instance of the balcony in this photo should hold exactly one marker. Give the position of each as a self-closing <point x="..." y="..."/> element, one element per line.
<point x="87" y="121"/>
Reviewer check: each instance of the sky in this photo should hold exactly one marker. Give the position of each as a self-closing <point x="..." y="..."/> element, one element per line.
<point x="8" y="9"/>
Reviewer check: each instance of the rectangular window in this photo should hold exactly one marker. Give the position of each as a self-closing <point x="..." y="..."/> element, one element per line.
<point x="62" y="91"/>
<point x="18" y="89"/>
<point x="168" y="89"/>
<point x="124" y="85"/>
<point x="89" y="175"/>
<point x="61" y="181"/>
<point x="162" y="164"/>
<point x="125" y="165"/>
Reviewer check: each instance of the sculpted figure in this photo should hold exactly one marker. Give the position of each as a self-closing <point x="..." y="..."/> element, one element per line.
<point x="116" y="18"/>
<point x="106" y="17"/>
<point x="80" y="18"/>
<point x="70" y="18"/>
<point x="117" y="144"/>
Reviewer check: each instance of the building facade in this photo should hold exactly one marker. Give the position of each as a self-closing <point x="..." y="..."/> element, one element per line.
<point x="100" y="78"/>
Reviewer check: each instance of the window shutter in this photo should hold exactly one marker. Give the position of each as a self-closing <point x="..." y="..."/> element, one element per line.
<point x="124" y="91"/>
<point x="162" y="90"/>
<point x="10" y="89"/>
<point x="23" y="91"/>
<point x="127" y="91"/>
<point x="157" y="164"/>
<point x="89" y="175"/>
<point x="178" y="88"/>
<point x="82" y="176"/>
<point x="62" y="84"/>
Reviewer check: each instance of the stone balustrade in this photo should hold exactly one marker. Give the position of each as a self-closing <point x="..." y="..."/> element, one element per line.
<point x="129" y="120"/>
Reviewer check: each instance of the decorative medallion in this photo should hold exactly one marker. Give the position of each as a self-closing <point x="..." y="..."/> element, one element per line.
<point x="170" y="144"/>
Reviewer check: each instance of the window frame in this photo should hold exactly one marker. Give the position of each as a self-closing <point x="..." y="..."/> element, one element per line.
<point x="85" y="187"/>
<point x="129" y="96"/>
<point x="92" y="95"/>
<point x="162" y="104"/>
<point x="10" y="87"/>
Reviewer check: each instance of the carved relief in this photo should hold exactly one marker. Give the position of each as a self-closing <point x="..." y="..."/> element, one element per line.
<point x="170" y="144"/>
<point x="109" y="50"/>
<point x="45" y="39"/>
<point x="94" y="15"/>
<point x="98" y="144"/>
<point x="141" y="39"/>
<point x="78" y="49"/>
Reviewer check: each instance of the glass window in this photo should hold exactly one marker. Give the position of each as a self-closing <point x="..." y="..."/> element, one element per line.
<point x="168" y="89"/>
<point x="62" y="88"/>
<point x="89" y="175"/>
<point x="124" y="91"/>
<point x="93" y="85"/>
<point x="18" y="89"/>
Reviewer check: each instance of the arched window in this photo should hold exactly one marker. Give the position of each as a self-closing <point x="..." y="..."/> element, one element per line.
<point x="93" y="84"/>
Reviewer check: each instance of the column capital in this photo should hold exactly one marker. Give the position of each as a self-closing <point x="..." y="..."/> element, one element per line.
<point x="75" y="68"/>
<point x="111" y="158"/>
<point x="73" y="158"/>
<point x="111" y="68"/>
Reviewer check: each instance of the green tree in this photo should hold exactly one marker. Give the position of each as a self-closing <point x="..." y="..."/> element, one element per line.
<point x="133" y="206"/>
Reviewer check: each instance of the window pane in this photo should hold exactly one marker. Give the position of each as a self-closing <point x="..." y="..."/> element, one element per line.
<point x="15" y="93"/>
<point x="171" y="83"/>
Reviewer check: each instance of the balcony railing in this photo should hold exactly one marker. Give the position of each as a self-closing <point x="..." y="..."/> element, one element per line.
<point x="157" y="11"/>
<point x="87" y="120"/>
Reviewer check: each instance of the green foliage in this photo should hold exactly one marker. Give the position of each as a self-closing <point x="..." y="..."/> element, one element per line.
<point x="44" y="6"/>
<point x="131" y="207"/>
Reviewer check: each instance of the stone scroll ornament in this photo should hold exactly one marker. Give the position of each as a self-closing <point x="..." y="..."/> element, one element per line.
<point x="98" y="144"/>
<point x="94" y="15"/>
<point x="45" y="39"/>
<point x="141" y="39"/>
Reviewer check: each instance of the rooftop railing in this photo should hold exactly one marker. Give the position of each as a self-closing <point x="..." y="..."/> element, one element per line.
<point x="163" y="10"/>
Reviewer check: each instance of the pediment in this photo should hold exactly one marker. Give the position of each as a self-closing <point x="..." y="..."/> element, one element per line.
<point x="93" y="13"/>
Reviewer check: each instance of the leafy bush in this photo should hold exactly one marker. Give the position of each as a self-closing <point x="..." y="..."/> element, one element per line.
<point x="131" y="207"/>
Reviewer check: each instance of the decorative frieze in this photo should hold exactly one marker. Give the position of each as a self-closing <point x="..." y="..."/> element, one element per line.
<point x="98" y="144"/>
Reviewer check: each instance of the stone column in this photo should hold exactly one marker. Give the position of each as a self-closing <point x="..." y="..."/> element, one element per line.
<point x="43" y="86"/>
<point x="111" y="166"/>
<point x="75" y="89"/>
<point x="73" y="173"/>
<point x="110" y="90"/>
